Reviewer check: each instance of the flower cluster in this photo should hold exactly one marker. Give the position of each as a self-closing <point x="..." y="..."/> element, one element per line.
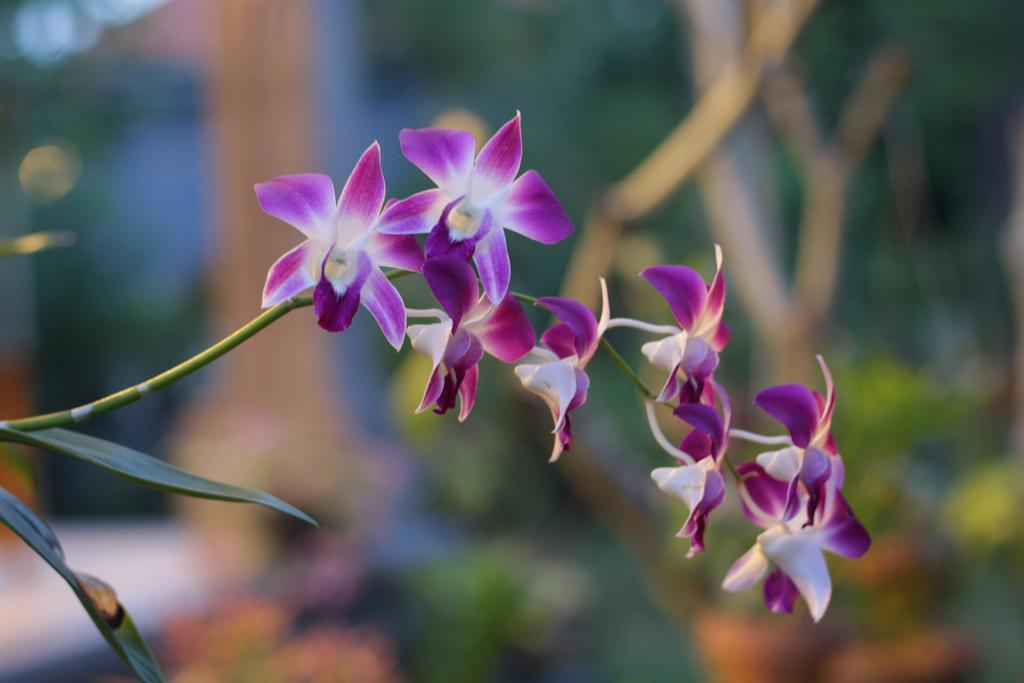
<point x="793" y="493"/>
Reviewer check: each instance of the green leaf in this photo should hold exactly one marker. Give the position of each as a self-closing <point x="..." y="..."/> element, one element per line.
<point x="143" y="469"/>
<point x="36" y="241"/>
<point x="98" y="599"/>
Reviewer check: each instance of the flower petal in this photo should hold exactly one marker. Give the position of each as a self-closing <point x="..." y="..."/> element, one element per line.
<point x="780" y="593"/>
<point x="746" y="571"/>
<point x="699" y="359"/>
<point x="795" y="406"/>
<point x="431" y="340"/>
<point x="506" y="333"/>
<point x="453" y="284"/>
<point x="578" y="317"/>
<point x="491" y="259"/>
<point x="334" y="310"/>
<point x="467" y="392"/>
<point x="783" y="464"/>
<point x="555" y="382"/>
<point x="762" y="497"/>
<point x="560" y="339"/>
<point x="531" y="209"/>
<point x="435" y="385"/>
<point x="362" y="197"/>
<point x="446" y="156"/>
<point x="705" y="419"/>
<point x="498" y="162"/>
<point x="304" y="201"/>
<point x="385" y="304"/>
<point x="291" y="274"/>
<point x="396" y="251"/>
<point x="716" y="293"/>
<point x="843" y="534"/>
<point x="413" y="215"/>
<point x="801" y="558"/>
<point x="685" y="482"/>
<point x="683" y="289"/>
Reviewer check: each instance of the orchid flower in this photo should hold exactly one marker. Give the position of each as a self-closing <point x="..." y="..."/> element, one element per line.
<point x="811" y="456"/>
<point x="697" y="479"/>
<point x="690" y="352"/>
<point x="562" y="380"/>
<point x="793" y="545"/>
<point x="343" y="250"/>
<point x="475" y="200"/>
<point x="470" y="327"/>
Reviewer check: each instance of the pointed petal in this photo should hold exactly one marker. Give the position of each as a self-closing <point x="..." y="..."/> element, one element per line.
<point x="396" y="251"/>
<point x="801" y="558"/>
<point x="531" y="209"/>
<point x="385" y="304"/>
<point x="762" y="497"/>
<point x="716" y="292"/>
<point x="362" y="197"/>
<point x="413" y="215"/>
<point x="555" y="382"/>
<point x="793" y="405"/>
<point x="746" y="571"/>
<point x="780" y="593"/>
<point x="467" y="392"/>
<point x="578" y="317"/>
<point x="506" y="333"/>
<point x="435" y="384"/>
<point x="683" y="289"/>
<point x="704" y="418"/>
<point x="305" y="202"/>
<point x="453" y="284"/>
<point x="830" y="397"/>
<point x="560" y="339"/>
<point x="843" y="534"/>
<point x="491" y="258"/>
<point x="446" y="156"/>
<point x="498" y="162"/>
<point x="291" y="274"/>
<point x="431" y="340"/>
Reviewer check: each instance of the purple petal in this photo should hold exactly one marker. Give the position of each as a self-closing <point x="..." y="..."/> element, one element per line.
<point x="303" y="201"/>
<point x="578" y="317"/>
<point x="446" y="156"/>
<point x="716" y="292"/>
<point x="413" y="215"/>
<point x="714" y="494"/>
<point x="793" y="405"/>
<point x="454" y="285"/>
<point x="467" y="392"/>
<point x="531" y="209"/>
<point x="763" y="497"/>
<point x="814" y="473"/>
<point x="704" y="418"/>
<point x="491" y="258"/>
<point x="334" y="311"/>
<point x="385" y="304"/>
<point x="432" y="391"/>
<point x="780" y="593"/>
<point x="830" y="397"/>
<point x="290" y="274"/>
<point x="721" y="336"/>
<point x="697" y="444"/>
<point x="498" y="162"/>
<point x="560" y="339"/>
<point x="363" y="194"/>
<point x="683" y="289"/>
<point x="396" y="251"/>
<point x="843" y="534"/>
<point x="440" y="243"/>
<point x="673" y="385"/>
<point x="699" y="359"/>
<point x="506" y="333"/>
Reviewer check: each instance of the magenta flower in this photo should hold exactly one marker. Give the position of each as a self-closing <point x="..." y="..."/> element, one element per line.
<point x="475" y="201"/>
<point x="690" y="354"/>
<point x="697" y="479"/>
<point x="793" y="545"/>
<point x="343" y="250"/>
<point x="561" y="380"/>
<point x="470" y="327"/>
<point x="812" y="456"/>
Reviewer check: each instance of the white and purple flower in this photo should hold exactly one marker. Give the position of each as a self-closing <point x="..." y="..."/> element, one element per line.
<point x="561" y="380"/>
<point x="690" y="352"/>
<point x="476" y="200"/>
<point x="470" y="326"/>
<point x="343" y="251"/>
<point x="811" y="457"/>
<point x="793" y="545"/>
<point x="697" y="479"/>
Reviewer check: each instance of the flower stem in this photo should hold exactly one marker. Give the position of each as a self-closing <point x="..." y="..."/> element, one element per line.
<point x="131" y="394"/>
<point x="626" y="369"/>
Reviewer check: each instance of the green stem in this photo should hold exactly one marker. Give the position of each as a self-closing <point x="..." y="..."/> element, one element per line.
<point x="626" y="369"/>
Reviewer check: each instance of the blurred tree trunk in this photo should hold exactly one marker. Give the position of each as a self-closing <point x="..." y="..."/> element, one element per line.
<point x="272" y="419"/>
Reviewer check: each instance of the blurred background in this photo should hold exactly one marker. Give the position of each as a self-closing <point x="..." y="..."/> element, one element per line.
<point x="861" y="164"/>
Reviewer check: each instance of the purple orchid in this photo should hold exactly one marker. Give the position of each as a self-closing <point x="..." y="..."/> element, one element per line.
<point x="561" y="380"/>
<point x="343" y="251"/>
<point x="475" y="201"/>
<point x="697" y="479"/>
<point x="811" y="456"/>
<point x="690" y="352"/>
<point x="793" y="545"/>
<point x="470" y="327"/>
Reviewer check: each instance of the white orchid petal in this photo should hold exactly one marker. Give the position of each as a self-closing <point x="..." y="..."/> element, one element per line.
<point x="746" y="571"/>
<point x="666" y="353"/>
<point x="555" y="382"/>
<point x="799" y="556"/>
<point x="431" y="340"/>
<point x="685" y="483"/>
<point x="783" y="464"/>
